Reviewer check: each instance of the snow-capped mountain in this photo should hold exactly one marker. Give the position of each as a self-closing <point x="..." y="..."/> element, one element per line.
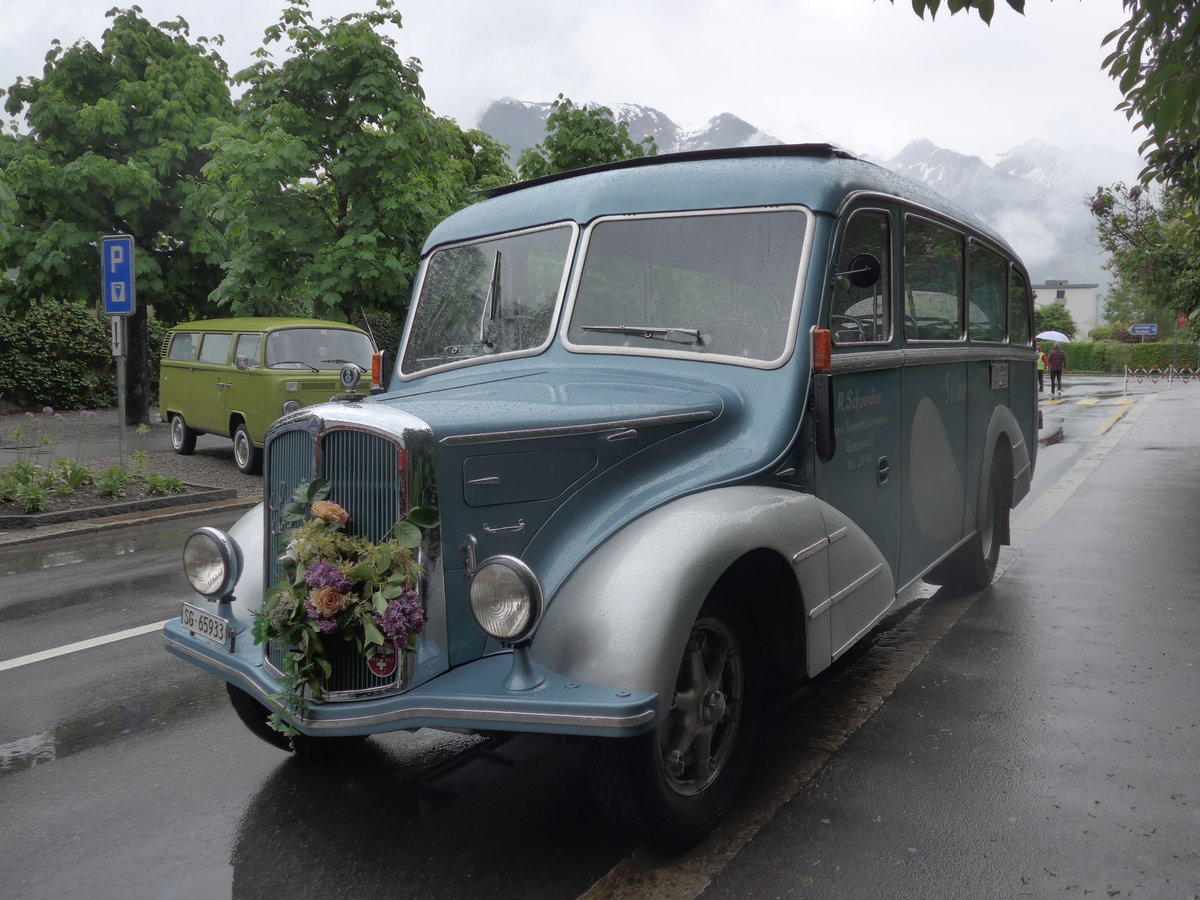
<point x="1035" y="194"/>
<point x="521" y="124"/>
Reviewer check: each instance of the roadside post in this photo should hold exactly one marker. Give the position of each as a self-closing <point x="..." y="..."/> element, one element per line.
<point x="118" y="290"/>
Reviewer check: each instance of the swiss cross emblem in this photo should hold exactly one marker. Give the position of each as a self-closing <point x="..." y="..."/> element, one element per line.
<point x="383" y="663"/>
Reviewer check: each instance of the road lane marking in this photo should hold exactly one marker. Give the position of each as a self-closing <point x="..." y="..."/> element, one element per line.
<point x="1088" y="401"/>
<point x="32" y="658"/>
<point x="1123" y="408"/>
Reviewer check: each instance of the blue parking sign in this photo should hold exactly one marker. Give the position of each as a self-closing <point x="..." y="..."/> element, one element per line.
<point x="116" y="274"/>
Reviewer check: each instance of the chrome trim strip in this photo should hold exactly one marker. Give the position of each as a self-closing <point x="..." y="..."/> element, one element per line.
<point x="951" y="352"/>
<point x="800" y="555"/>
<point x="1017" y="476"/>
<point x="578" y="430"/>
<point x="486" y="479"/>
<point x="839" y="534"/>
<point x="820" y="608"/>
<point x="856" y="583"/>
<point x="459" y="715"/>
<point x="867" y="361"/>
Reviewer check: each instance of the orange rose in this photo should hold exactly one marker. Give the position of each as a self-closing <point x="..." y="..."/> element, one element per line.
<point x="330" y="512"/>
<point x="328" y="601"/>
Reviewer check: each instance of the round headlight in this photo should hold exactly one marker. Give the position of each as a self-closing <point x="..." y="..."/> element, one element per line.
<point x="506" y="598"/>
<point x="212" y="562"/>
<point x="291" y="406"/>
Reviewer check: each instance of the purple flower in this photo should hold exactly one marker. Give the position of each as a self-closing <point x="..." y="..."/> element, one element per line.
<point x="323" y="574"/>
<point x="87" y="413"/>
<point x="47" y="409"/>
<point x="404" y="614"/>
<point x="324" y="625"/>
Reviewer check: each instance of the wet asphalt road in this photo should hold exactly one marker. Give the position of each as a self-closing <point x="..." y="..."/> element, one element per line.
<point x="1046" y="746"/>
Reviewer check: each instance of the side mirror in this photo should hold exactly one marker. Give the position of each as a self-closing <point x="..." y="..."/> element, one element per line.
<point x="864" y="270"/>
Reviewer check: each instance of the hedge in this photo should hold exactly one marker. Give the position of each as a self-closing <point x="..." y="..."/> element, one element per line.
<point x="1113" y="358"/>
<point x="59" y="354"/>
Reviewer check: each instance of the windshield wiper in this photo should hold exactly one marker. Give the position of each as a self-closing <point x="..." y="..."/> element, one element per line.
<point x="293" y="362"/>
<point x="652" y="332"/>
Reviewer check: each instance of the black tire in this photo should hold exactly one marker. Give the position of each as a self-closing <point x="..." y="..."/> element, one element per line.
<point x="973" y="566"/>
<point x="246" y="456"/>
<point x="671" y="785"/>
<point x="254" y="716"/>
<point x="183" y="438"/>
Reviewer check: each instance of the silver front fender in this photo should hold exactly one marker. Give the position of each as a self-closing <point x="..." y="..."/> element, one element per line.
<point x="623" y="617"/>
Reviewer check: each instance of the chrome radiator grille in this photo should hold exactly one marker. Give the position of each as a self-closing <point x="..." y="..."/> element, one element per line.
<point x="365" y="472"/>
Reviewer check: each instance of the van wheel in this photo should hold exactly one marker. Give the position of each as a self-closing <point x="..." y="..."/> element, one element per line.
<point x="671" y="785"/>
<point x="254" y="716"/>
<point x="183" y="439"/>
<point x="246" y="456"/>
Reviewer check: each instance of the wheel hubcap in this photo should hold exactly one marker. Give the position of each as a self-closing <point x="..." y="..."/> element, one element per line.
<point x="701" y="727"/>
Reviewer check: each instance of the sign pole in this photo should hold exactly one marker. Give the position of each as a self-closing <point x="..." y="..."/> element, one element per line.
<point x="118" y="290"/>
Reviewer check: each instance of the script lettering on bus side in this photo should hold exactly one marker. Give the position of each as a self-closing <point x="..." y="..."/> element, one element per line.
<point x="855" y="434"/>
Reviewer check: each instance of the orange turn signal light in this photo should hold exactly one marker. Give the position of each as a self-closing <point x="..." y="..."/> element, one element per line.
<point x="377" y="368"/>
<point x="822" y="348"/>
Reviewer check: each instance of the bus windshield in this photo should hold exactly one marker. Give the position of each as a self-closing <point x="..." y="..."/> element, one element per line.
<point x="722" y="284"/>
<point x="488" y="298"/>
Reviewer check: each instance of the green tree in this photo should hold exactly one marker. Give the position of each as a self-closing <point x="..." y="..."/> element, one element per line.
<point x="336" y="170"/>
<point x="1053" y="317"/>
<point x="580" y="136"/>
<point x="1154" y="252"/>
<point x="114" y="145"/>
<point x="1155" y="59"/>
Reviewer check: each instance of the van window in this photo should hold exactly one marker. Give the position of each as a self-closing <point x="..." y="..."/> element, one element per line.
<point x="215" y="348"/>
<point x="863" y="314"/>
<point x="247" y="350"/>
<point x="1019" y="331"/>
<point x="933" y="281"/>
<point x="183" y="346"/>
<point x="985" y="318"/>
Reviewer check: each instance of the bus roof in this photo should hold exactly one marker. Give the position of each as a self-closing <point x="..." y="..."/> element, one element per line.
<point x="819" y="176"/>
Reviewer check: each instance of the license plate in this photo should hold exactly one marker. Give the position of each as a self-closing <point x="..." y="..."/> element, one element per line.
<point x="204" y="624"/>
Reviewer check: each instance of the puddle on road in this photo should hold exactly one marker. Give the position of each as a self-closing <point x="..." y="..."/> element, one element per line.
<point x="104" y="725"/>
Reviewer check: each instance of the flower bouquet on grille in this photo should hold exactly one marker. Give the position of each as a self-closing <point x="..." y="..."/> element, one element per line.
<point x="338" y="591"/>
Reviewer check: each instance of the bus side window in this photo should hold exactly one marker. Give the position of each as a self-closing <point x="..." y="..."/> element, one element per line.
<point x="862" y="314"/>
<point x="1018" y="310"/>
<point x="933" y="281"/>
<point x="986" y="312"/>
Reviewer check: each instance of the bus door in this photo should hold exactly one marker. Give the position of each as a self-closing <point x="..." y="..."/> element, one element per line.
<point x="861" y="479"/>
<point x="935" y="396"/>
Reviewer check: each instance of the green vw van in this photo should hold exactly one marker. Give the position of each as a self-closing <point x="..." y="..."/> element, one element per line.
<point x="234" y="377"/>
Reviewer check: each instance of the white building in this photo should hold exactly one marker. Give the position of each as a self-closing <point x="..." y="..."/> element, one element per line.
<point x="1081" y="301"/>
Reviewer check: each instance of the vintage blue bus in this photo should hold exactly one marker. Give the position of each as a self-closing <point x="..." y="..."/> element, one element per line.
<point x="662" y="437"/>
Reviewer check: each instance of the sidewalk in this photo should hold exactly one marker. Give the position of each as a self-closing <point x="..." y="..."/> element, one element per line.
<point x="1049" y="744"/>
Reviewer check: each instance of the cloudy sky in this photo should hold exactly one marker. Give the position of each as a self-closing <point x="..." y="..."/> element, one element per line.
<point x="861" y="73"/>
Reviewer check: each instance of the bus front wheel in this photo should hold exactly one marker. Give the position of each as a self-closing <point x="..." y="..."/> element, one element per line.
<point x="671" y="785"/>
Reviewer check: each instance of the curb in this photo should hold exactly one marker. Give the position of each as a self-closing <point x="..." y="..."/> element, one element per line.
<point x="129" y="517"/>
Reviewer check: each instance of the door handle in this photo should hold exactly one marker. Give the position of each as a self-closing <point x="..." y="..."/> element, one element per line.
<point x="884" y="471"/>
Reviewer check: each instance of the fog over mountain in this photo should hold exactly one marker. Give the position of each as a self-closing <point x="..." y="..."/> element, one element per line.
<point x="1034" y="194"/>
